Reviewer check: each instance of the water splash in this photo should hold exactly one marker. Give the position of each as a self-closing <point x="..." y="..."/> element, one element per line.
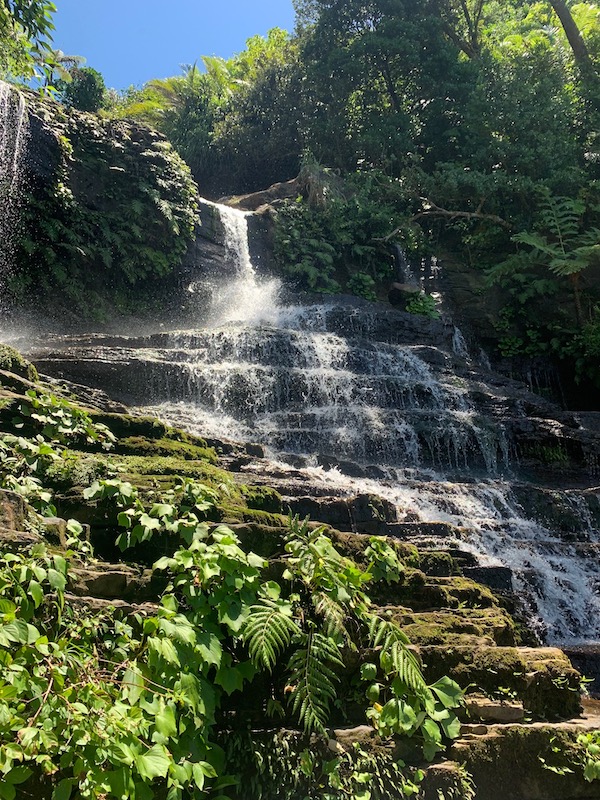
<point x="247" y="298"/>
<point x="404" y="270"/>
<point x="13" y="142"/>
<point x="459" y="344"/>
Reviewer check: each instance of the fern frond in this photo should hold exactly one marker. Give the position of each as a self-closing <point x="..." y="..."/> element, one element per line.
<point x="314" y="680"/>
<point x="395" y="656"/>
<point x="268" y="631"/>
<point x="334" y="618"/>
<point x="562" y="217"/>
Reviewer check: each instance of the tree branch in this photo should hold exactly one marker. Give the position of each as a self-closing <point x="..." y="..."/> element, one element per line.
<point x="435" y="211"/>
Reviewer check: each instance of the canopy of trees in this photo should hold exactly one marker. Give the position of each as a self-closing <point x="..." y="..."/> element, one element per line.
<point x="463" y="122"/>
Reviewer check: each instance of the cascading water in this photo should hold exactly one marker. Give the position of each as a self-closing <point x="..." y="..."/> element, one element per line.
<point x="245" y="299"/>
<point x="13" y="142"/>
<point x="341" y="393"/>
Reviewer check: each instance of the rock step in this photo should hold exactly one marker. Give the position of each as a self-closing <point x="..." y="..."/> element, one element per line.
<point x="509" y="762"/>
<point x="12" y="511"/>
<point x="484" y="626"/>
<point x="542" y="678"/>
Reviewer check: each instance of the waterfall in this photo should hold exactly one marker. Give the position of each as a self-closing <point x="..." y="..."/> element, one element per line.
<point x="246" y="299"/>
<point x="403" y="268"/>
<point x="13" y="143"/>
<point x="352" y="397"/>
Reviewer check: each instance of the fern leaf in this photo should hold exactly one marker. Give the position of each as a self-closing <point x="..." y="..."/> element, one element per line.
<point x="314" y="680"/>
<point x="334" y="618"/>
<point x="395" y="655"/>
<point x="268" y="631"/>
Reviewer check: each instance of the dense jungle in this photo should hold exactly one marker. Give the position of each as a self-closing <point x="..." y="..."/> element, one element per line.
<point x="300" y="411"/>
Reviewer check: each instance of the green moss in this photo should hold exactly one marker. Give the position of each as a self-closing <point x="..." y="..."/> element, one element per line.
<point x="438" y="564"/>
<point x="140" y="446"/>
<point x="263" y="498"/>
<point x="12" y="361"/>
<point x="107" y="221"/>
<point x="542" y="678"/>
<point x="457" y="626"/>
<point x="233" y="513"/>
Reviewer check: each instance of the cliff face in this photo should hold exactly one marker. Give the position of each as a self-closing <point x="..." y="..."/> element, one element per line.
<point x="107" y="209"/>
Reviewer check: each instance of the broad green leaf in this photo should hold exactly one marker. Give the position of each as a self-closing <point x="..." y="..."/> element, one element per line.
<point x="448" y="691"/>
<point x="154" y="763"/>
<point x="7" y="791"/>
<point x="36" y="592"/>
<point x="133" y="684"/>
<point x="210" y="648"/>
<point x="368" y="672"/>
<point x="57" y="580"/>
<point x="63" y="790"/>
<point x="18" y="775"/>
<point x="230" y="679"/>
<point x="451" y="727"/>
<point x="18" y="632"/>
<point x="166" y="723"/>
<point x="121" y="783"/>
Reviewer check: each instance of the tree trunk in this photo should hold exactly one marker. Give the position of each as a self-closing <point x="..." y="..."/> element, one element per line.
<point x="578" y="46"/>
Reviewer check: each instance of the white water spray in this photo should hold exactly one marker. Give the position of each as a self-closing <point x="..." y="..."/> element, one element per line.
<point x="246" y="299"/>
<point x="336" y="391"/>
<point x="13" y="142"/>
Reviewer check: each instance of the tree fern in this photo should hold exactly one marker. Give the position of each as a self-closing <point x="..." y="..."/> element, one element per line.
<point x="268" y="632"/>
<point x="561" y="216"/>
<point x="314" y="679"/>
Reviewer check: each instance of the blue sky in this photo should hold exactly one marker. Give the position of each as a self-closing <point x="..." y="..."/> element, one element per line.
<point x="131" y="41"/>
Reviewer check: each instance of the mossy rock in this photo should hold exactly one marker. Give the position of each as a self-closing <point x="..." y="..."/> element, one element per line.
<point x="457" y="626"/>
<point x="188" y="451"/>
<point x="530" y="759"/>
<point x="543" y="678"/>
<point x="438" y="564"/>
<point x="233" y="514"/>
<point x="422" y="592"/>
<point x="126" y="425"/>
<point x="263" y="498"/>
<point x="12" y="361"/>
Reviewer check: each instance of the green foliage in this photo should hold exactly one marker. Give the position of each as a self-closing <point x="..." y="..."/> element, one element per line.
<point x="60" y="421"/>
<point x="85" y="89"/>
<point x="97" y="705"/>
<point x="337" y="236"/>
<point x="25" y="34"/>
<point x="311" y="772"/>
<point x="49" y="424"/>
<point x="363" y="285"/>
<point x="561" y="251"/>
<point x="423" y="304"/>
<point x="13" y="361"/>
<point x="111" y="221"/>
<point x="329" y="615"/>
<point x="590" y="742"/>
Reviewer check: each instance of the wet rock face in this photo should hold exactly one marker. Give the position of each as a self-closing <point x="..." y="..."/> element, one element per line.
<point x="362" y="401"/>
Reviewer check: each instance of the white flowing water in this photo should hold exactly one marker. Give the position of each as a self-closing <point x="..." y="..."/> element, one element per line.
<point x="356" y="399"/>
<point x="13" y="142"/>
<point x="247" y="299"/>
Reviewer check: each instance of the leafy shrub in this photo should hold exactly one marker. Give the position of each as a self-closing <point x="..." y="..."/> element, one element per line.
<point x="109" y="221"/>
<point x="85" y="91"/>
<point x="424" y="305"/>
